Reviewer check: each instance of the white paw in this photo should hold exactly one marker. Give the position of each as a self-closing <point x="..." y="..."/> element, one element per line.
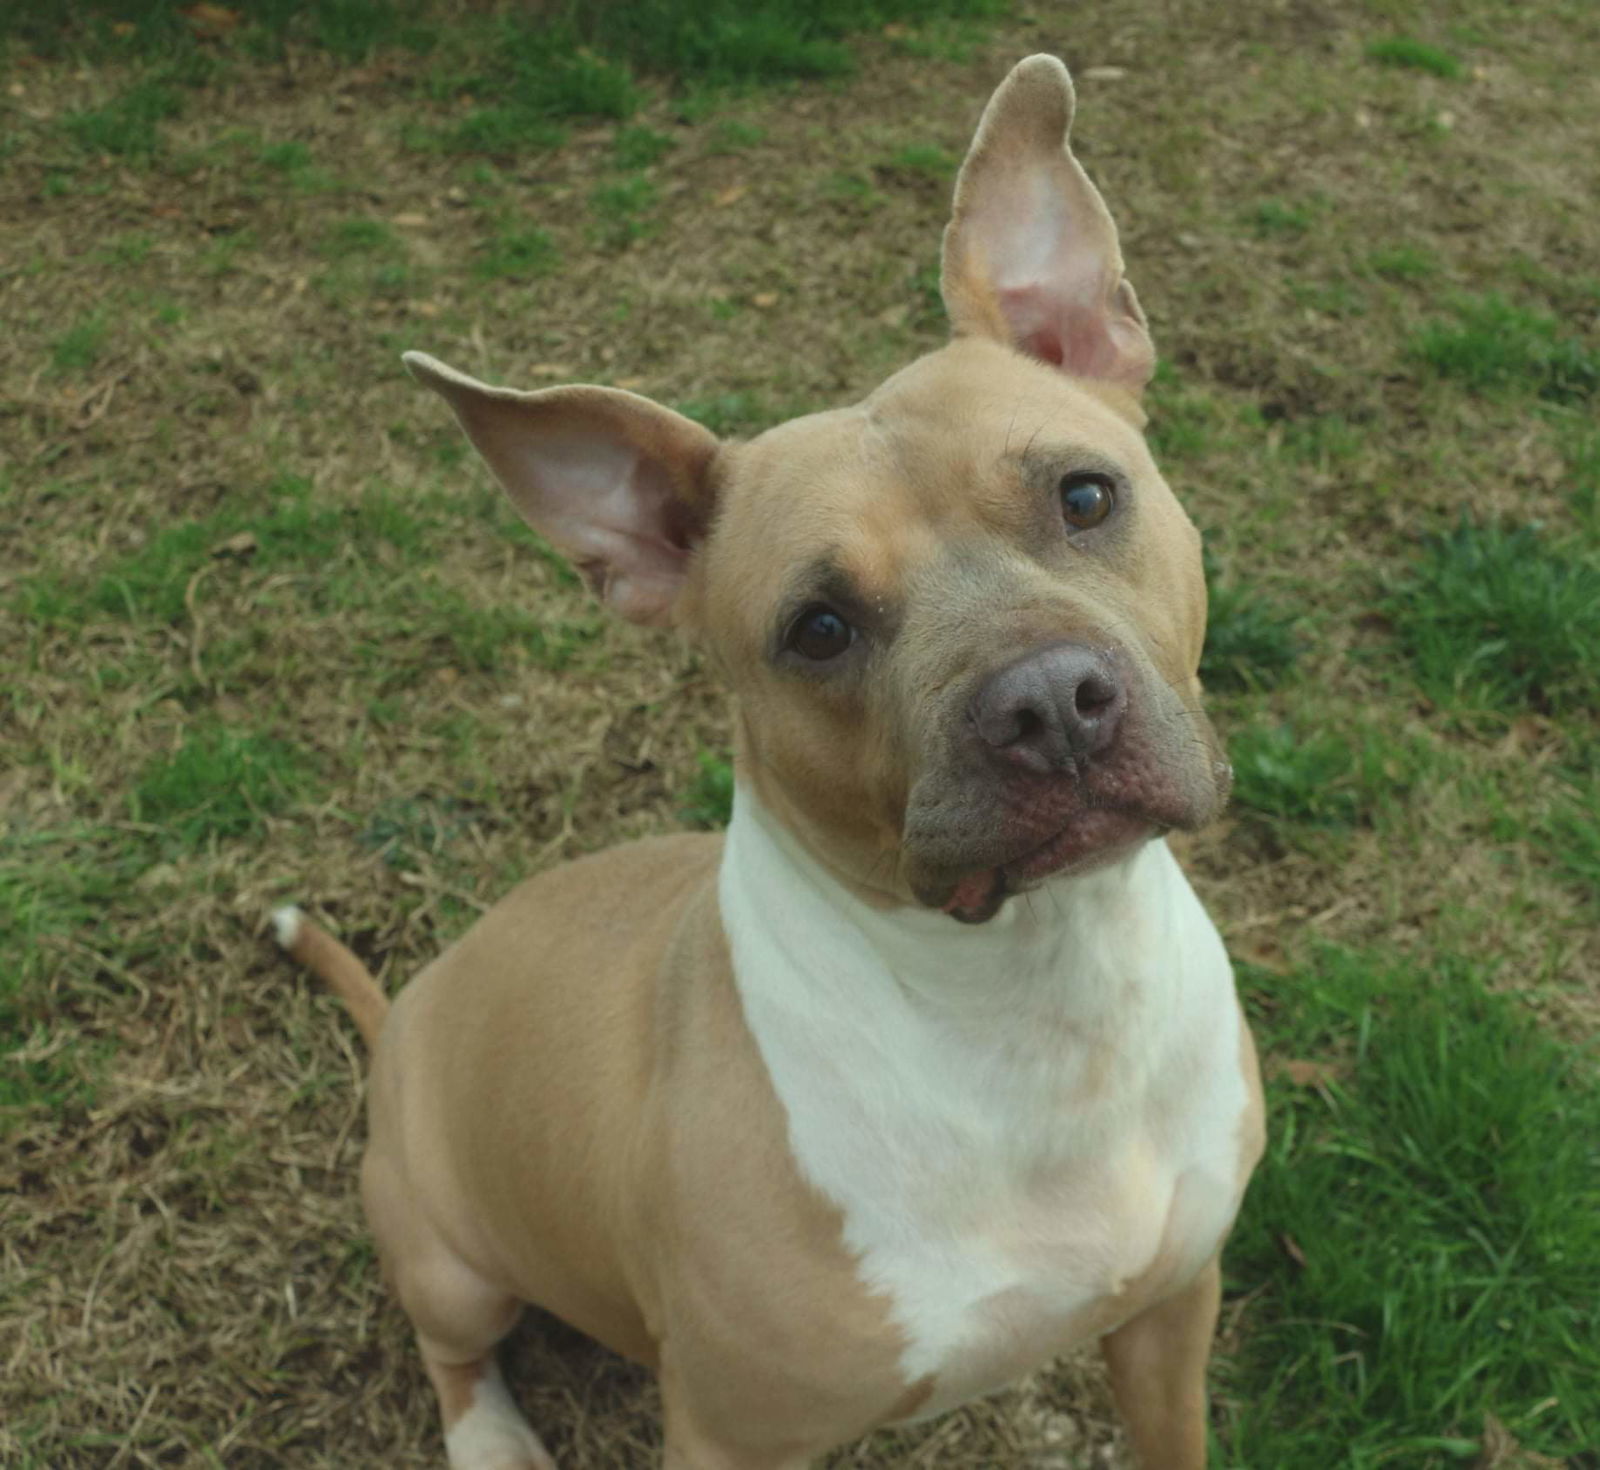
<point x="493" y="1435"/>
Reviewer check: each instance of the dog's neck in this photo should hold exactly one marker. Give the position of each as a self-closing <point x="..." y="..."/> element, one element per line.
<point x="1071" y="945"/>
<point x="951" y="1076"/>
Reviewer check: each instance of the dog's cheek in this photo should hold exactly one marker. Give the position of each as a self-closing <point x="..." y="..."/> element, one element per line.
<point x="819" y="755"/>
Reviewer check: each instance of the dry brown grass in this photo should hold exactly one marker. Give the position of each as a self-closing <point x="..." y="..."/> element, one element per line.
<point x="186" y="1277"/>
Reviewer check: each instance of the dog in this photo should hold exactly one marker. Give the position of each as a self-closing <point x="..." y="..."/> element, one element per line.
<point x="932" y="1066"/>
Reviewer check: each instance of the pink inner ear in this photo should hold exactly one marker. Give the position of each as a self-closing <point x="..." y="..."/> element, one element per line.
<point x="1073" y="336"/>
<point x="1044" y="344"/>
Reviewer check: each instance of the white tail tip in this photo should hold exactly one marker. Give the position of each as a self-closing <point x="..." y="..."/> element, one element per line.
<point x="286" y="925"/>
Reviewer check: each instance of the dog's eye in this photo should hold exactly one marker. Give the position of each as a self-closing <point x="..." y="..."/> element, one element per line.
<point x="819" y="633"/>
<point x="1086" y="500"/>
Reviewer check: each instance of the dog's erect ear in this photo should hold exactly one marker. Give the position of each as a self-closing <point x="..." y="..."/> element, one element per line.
<point x="1030" y="254"/>
<point x="618" y="484"/>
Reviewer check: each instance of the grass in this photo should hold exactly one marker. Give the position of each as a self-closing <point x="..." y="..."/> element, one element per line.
<point x="1251" y="643"/>
<point x="1582" y="454"/>
<point x="1496" y="346"/>
<point x="287" y="527"/>
<point x="220" y="783"/>
<point x="1411" y="54"/>
<point x="622" y="211"/>
<point x="347" y="239"/>
<point x="487" y="637"/>
<point x="926" y="159"/>
<point x="128" y="126"/>
<point x="500" y="132"/>
<point x="575" y="57"/>
<point x="1277" y="217"/>
<point x="730" y="414"/>
<point x="78" y="348"/>
<point x="1496" y="617"/>
<point x="1571" y="836"/>
<point x="1465" y="1133"/>
<point x="516" y="253"/>
<point x="732" y="136"/>
<point x="274" y="635"/>
<point x="56" y="887"/>
<point x="639" y="147"/>
<point x="709" y="800"/>
<point x="1316" y="778"/>
<point x="407" y="831"/>
<point x="1404" y="263"/>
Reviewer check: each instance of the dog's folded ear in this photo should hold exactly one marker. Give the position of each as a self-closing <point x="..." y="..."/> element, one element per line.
<point x="1031" y="255"/>
<point x="618" y="484"/>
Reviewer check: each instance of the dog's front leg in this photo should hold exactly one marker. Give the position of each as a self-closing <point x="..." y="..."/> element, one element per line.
<point x="692" y="1443"/>
<point x="693" y="1452"/>
<point x="1158" y="1374"/>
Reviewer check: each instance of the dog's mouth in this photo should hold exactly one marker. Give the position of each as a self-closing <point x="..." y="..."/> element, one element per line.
<point x="1093" y="836"/>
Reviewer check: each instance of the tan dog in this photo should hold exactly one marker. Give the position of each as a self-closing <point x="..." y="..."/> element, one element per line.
<point x="757" y="1110"/>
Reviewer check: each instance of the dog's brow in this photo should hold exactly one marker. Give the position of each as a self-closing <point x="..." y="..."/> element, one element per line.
<point x="1065" y="455"/>
<point x="826" y="579"/>
<point x="822" y="579"/>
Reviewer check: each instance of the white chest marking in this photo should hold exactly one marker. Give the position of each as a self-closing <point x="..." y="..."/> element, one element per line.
<point x="1014" y="1119"/>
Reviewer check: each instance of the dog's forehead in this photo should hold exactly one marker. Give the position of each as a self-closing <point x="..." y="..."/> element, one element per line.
<point x="932" y="457"/>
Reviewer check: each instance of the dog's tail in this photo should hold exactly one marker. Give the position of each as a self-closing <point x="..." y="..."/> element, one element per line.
<point x="335" y="966"/>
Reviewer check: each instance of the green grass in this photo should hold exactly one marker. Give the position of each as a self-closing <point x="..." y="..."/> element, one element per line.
<point x="622" y="210"/>
<point x="365" y="677"/>
<point x="567" y="59"/>
<point x="1405" y="263"/>
<point x="59" y="888"/>
<point x="538" y="73"/>
<point x="150" y="584"/>
<point x="1496" y="617"/>
<point x="638" y="147"/>
<point x="500" y="131"/>
<point x="220" y="783"/>
<point x="850" y="188"/>
<point x="1570" y="835"/>
<point x="1318" y="777"/>
<point x="1581" y="451"/>
<point x="1495" y="346"/>
<point x="708" y="803"/>
<point x="926" y="159"/>
<point x="1413" y="55"/>
<point x="1251" y="643"/>
<point x="732" y="136"/>
<point x="288" y="157"/>
<point x="515" y="253"/>
<point x="728" y="414"/>
<point x="406" y="831"/>
<point x="1185" y="421"/>
<point x="348" y="239"/>
<point x="129" y="126"/>
<point x="127" y="250"/>
<point x="1278" y="217"/>
<point x="78" y="348"/>
<point x="287" y="527"/>
<point x="1442" y="1202"/>
<point x="483" y="638"/>
<point x="1324" y="440"/>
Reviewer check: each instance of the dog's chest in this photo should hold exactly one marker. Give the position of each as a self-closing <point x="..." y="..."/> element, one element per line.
<point x="1027" y="1141"/>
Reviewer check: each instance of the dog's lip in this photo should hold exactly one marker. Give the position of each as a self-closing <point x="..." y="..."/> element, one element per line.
<point x="1090" y="834"/>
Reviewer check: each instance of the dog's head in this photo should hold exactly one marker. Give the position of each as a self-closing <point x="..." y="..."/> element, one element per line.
<point x="964" y="616"/>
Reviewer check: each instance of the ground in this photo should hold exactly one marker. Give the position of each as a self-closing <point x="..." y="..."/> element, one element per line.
<point x="270" y="635"/>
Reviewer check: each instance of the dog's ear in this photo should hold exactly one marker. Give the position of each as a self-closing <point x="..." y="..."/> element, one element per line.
<point x="1030" y="253"/>
<point x="618" y="484"/>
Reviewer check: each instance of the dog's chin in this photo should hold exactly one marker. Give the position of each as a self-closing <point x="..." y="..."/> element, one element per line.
<point x="1091" y="839"/>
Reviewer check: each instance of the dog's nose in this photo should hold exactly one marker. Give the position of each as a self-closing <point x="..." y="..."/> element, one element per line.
<point x="1051" y="708"/>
